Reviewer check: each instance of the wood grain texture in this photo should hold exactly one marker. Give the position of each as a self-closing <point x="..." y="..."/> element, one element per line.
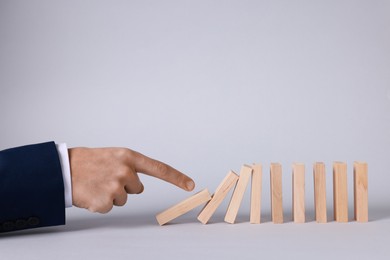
<point x="319" y="176"/>
<point x="298" y="189"/>
<point x="257" y="174"/>
<point x="276" y="193"/>
<point x="238" y="194"/>
<point x="340" y="192"/>
<point x="220" y="193"/>
<point x="360" y="179"/>
<point x="183" y="207"/>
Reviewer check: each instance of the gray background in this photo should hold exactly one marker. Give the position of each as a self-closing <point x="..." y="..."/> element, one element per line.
<point x="205" y="86"/>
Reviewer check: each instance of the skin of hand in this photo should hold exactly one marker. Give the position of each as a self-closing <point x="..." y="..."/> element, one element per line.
<point x="102" y="177"/>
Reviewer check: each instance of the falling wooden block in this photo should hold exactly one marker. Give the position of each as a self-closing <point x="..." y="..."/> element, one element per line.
<point x="298" y="180"/>
<point x="319" y="177"/>
<point x="276" y="193"/>
<point x="220" y="193"/>
<point x="340" y="192"/>
<point x="238" y="194"/>
<point x="360" y="180"/>
<point x="183" y="207"/>
<point x="255" y="214"/>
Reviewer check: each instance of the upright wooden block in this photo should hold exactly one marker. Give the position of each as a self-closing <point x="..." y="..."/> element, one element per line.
<point x="276" y="193"/>
<point x="220" y="193"/>
<point x="360" y="180"/>
<point x="238" y="194"/>
<point x="319" y="176"/>
<point x="255" y="215"/>
<point x="340" y="192"/>
<point x="298" y="180"/>
<point x="183" y="207"/>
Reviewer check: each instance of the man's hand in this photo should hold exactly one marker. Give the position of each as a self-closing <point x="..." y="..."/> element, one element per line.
<point x="102" y="177"/>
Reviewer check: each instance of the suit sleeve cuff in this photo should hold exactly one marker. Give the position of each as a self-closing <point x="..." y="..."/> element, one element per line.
<point x="65" y="167"/>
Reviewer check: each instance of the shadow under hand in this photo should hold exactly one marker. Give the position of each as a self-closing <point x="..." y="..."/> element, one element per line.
<point x="140" y="220"/>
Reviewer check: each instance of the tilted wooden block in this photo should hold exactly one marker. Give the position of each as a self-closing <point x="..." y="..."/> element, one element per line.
<point x="360" y="180"/>
<point x="298" y="193"/>
<point x="183" y="207"/>
<point x="340" y="192"/>
<point x="255" y="215"/>
<point x="220" y="193"/>
<point x="319" y="176"/>
<point x="276" y="193"/>
<point x="238" y="194"/>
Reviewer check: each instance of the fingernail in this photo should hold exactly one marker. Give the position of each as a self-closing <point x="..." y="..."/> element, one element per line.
<point x="190" y="185"/>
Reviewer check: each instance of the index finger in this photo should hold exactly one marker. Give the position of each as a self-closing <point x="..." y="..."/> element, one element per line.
<point x="160" y="170"/>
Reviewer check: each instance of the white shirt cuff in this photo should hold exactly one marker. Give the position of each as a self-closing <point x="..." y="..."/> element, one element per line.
<point x="65" y="166"/>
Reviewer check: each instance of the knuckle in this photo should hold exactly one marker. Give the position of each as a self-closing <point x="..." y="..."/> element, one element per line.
<point x="129" y="154"/>
<point x="122" y="153"/>
<point x="101" y="206"/>
<point x="122" y="173"/>
<point x="131" y="191"/>
<point x="121" y="201"/>
<point x="92" y="209"/>
<point x="106" y="208"/>
<point x="135" y="188"/>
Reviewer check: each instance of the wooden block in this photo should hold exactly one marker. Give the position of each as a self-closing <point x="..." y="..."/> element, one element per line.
<point x="183" y="207"/>
<point x="340" y="192"/>
<point x="220" y="193"/>
<point x="276" y="193"/>
<point x="360" y="180"/>
<point x="238" y="194"/>
<point x="298" y="189"/>
<point x="255" y="214"/>
<point x="319" y="176"/>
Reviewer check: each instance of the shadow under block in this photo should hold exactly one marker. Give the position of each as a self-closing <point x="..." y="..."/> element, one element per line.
<point x="238" y="194"/>
<point x="276" y="193"/>
<point x="360" y="180"/>
<point x="183" y="207"/>
<point x="340" y="192"/>
<point x="220" y="193"/>
<point x="298" y="189"/>
<point x="319" y="176"/>
<point x="257" y="174"/>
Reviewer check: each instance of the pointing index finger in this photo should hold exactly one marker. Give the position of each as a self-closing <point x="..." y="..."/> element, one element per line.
<point x="160" y="170"/>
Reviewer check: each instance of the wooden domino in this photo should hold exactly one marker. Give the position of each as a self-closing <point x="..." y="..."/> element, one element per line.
<point x="360" y="191"/>
<point x="254" y="172"/>
<point x="238" y="194"/>
<point x="298" y="196"/>
<point x="276" y="193"/>
<point x="220" y="193"/>
<point x="340" y="192"/>
<point x="319" y="177"/>
<point x="183" y="207"/>
<point x="255" y="214"/>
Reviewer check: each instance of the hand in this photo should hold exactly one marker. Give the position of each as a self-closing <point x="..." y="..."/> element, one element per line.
<point x="102" y="177"/>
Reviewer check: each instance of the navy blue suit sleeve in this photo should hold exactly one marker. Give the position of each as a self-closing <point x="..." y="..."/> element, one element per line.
<point x="31" y="187"/>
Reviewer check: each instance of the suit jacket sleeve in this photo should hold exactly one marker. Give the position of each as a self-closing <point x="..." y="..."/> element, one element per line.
<point x="31" y="187"/>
